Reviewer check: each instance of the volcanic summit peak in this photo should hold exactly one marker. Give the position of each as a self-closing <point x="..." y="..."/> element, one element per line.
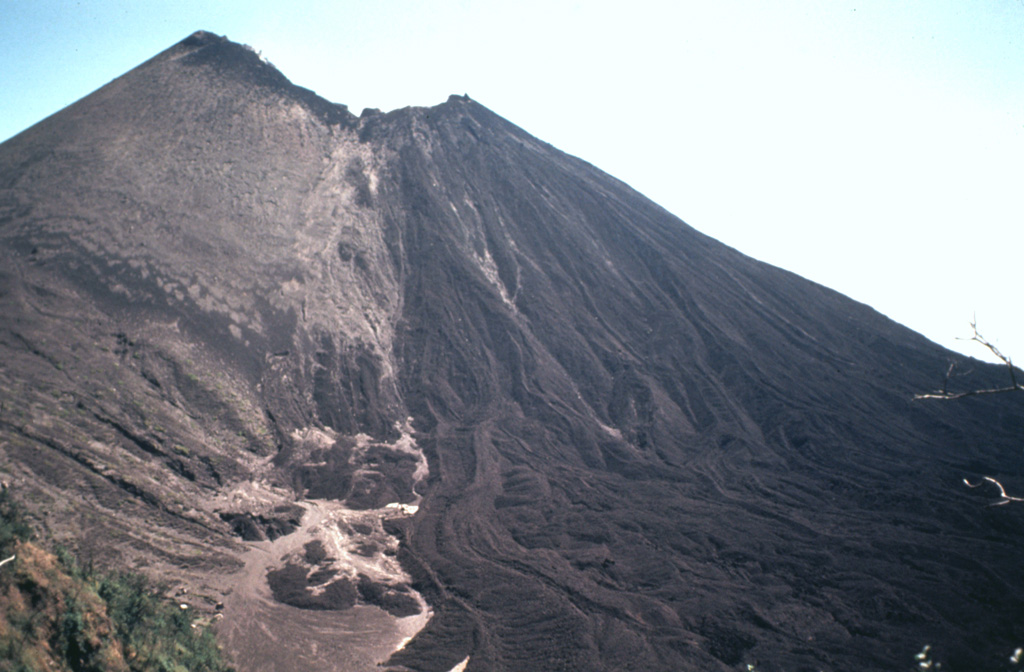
<point x="204" y="37"/>
<point x="245" y="63"/>
<point x="242" y="62"/>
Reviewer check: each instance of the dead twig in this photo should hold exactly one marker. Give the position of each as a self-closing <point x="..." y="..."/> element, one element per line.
<point x="1014" y="385"/>
<point x="1003" y="498"/>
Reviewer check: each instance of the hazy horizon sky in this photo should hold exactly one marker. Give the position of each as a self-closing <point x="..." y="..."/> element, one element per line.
<point x="875" y="147"/>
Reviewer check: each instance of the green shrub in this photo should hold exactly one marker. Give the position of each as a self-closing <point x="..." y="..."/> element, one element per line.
<point x="13" y="526"/>
<point x="66" y="626"/>
<point x="157" y="632"/>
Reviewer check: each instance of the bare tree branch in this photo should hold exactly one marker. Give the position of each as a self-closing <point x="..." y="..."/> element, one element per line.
<point x="1014" y="385"/>
<point x="1003" y="499"/>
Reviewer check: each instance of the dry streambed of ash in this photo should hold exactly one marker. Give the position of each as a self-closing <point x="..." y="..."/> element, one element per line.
<point x="336" y="568"/>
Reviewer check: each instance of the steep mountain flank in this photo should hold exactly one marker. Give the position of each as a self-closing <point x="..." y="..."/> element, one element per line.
<point x="420" y="375"/>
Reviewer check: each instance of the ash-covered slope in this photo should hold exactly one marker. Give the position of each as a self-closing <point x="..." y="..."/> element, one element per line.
<point x="362" y="374"/>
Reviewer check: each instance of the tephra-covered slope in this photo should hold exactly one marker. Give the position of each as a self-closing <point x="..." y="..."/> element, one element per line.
<point x="421" y="375"/>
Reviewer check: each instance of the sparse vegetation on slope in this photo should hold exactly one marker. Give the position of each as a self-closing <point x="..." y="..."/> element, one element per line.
<point x="57" y="615"/>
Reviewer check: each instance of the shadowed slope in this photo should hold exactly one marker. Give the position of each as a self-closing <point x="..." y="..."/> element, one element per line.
<point x="638" y="424"/>
<point x="225" y="296"/>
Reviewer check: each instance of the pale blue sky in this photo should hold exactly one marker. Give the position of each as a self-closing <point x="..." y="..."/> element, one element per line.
<point x="875" y="147"/>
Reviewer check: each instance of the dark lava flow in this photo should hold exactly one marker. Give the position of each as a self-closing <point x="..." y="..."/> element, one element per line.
<point x="227" y="302"/>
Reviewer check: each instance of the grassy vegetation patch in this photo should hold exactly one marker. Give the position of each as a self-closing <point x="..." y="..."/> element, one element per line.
<point x="57" y="615"/>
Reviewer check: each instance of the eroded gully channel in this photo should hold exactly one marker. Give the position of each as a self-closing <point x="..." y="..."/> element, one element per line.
<point x="341" y="555"/>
